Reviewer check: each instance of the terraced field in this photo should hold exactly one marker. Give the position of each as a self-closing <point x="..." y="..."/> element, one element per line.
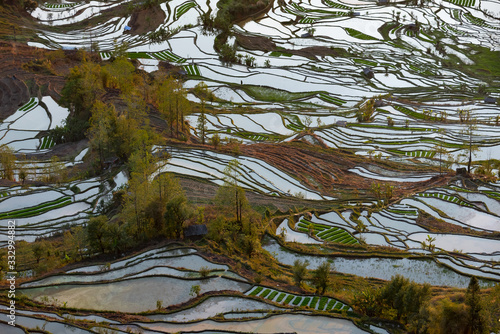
<point x="404" y="93"/>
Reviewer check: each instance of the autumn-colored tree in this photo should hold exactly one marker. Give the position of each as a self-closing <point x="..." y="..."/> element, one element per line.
<point x="7" y="162"/>
<point x="102" y="132"/>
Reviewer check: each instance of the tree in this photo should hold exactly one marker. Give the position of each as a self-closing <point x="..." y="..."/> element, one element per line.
<point x="38" y="249"/>
<point x="405" y="297"/>
<point x="476" y="322"/>
<point x="166" y="101"/>
<point x="440" y="150"/>
<point x="176" y="213"/>
<point x="201" y="127"/>
<point x="450" y="317"/>
<point x="119" y="74"/>
<point x="97" y="233"/>
<point x="195" y="290"/>
<point x="470" y="148"/>
<point x="83" y="86"/>
<point x="7" y="162"/>
<point x="321" y="277"/>
<point x="365" y="111"/>
<point x="231" y="193"/>
<point x="215" y="140"/>
<point x="102" y="132"/>
<point x="299" y="270"/>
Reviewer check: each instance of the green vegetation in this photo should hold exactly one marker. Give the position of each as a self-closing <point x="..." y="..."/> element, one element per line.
<point x="179" y="11"/>
<point x="37" y="210"/>
<point x="269" y="94"/>
<point x="327" y="233"/>
<point x="358" y="34"/>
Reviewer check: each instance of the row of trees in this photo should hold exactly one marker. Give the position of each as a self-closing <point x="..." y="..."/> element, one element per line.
<point x="411" y="304"/>
<point x="321" y="278"/>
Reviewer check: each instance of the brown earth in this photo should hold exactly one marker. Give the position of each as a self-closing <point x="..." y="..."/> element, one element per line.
<point x="20" y="74"/>
<point x="323" y="170"/>
<point x="265" y="44"/>
<point x="146" y="20"/>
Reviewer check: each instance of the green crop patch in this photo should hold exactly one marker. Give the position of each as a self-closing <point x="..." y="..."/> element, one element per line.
<point x="326" y="232"/>
<point x="322" y="303"/>
<point x="359" y="35"/>
<point x="167" y="55"/>
<point x="138" y="55"/>
<point x="37" y="210"/>
<point x="331" y="99"/>
<point x="280" y="297"/>
<point x="265" y="293"/>
<point x="47" y="142"/>
<point x="289" y="299"/>
<point x="335" y="5"/>
<point x="192" y="70"/>
<point x="297" y="300"/>
<point x="256" y="291"/>
<point x="306" y="301"/>
<point x="182" y="9"/>
<point x="30" y="105"/>
<point x="314" y="301"/>
<point x="272" y="295"/>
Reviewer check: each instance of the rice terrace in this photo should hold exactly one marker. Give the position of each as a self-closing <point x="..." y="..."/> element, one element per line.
<point x="256" y="166"/>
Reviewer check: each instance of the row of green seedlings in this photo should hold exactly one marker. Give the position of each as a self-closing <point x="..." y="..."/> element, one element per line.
<point x="448" y="198"/>
<point x="331" y="99"/>
<point x="463" y="3"/>
<point x="307" y="20"/>
<point x="327" y="233"/>
<point x="138" y="55"/>
<point x="409" y="212"/>
<point x="192" y="70"/>
<point x="365" y="62"/>
<point x="37" y="210"/>
<point x="278" y="54"/>
<point x="335" y="5"/>
<point x="47" y="142"/>
<point x="64" y="5"/>
<point x="105" y="55"/>
<point x="425" y="72"/>
<point x="4" y="194"/>
<point x="477" y="21"/>
<point x="295" y="123"/>
<point x="168" y="56"/>
<point x="183" y="9"/>
<point x="359" y="35"/>
<point x="453" y="30"/>
<point x="318" y="303"/>
<point x="420" y="154"/>
<point x="412" y="113"/>
<point x="30" y="105"/>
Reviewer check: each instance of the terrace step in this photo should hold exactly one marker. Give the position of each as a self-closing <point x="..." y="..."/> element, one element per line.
<point x="14" y="93"/>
